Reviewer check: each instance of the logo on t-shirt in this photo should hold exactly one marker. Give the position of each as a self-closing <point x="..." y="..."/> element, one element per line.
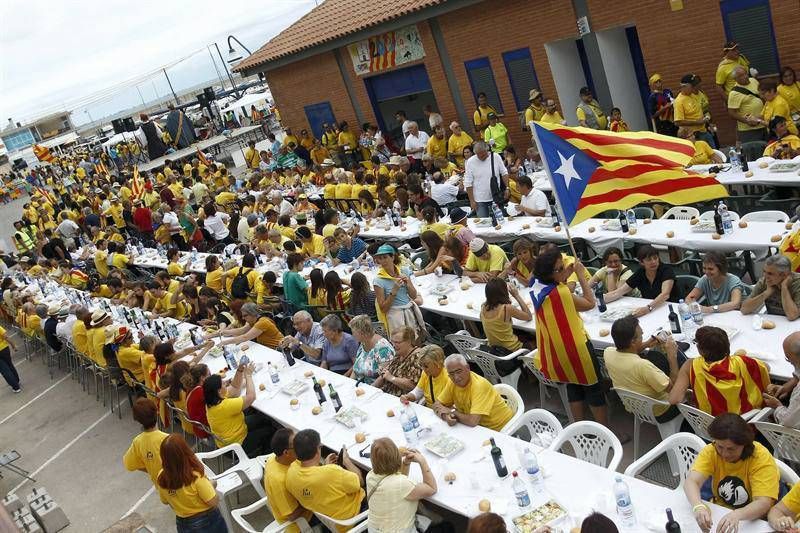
<point x="733" y="492"/>
<point x="149" y="455"/>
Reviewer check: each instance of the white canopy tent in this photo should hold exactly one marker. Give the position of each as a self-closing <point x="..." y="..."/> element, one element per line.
<point x="246" y="101"/>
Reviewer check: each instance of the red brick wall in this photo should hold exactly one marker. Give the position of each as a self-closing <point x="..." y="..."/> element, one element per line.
<point x="675" y="43"/>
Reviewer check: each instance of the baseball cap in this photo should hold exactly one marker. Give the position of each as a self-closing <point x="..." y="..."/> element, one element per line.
<point x="476" y="244"/>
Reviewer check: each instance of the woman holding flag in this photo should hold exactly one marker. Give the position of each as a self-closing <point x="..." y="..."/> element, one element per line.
<point x="565" y="353"/>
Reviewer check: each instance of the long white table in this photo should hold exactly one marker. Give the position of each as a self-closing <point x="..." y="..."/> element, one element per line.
<point x="476" y="478"/>
<point x="760" y="176"/>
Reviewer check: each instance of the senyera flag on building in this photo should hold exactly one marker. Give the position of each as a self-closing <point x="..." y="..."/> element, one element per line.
<point x="593" y="171"/>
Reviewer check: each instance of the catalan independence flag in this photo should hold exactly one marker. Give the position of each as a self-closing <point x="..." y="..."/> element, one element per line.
<point x="202" y="158"/>
<point x="137" y="186"/>
<point x="593" y="171"/>
<point x="563" y="353"/>
<point x="733" y="385"/>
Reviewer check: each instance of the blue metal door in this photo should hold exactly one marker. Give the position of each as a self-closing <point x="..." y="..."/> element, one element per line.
<point x="319" y="114"/>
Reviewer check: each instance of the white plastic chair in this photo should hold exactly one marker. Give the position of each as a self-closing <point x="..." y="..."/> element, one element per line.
<point x="684" y="447"/>
<point x="788" y="475"/>
<point x="331" y="523"/>
<point x="538" y="422"/>
<point x="545" y="382"/>
<point x="488" y="365"/>
<point x="721" y="155"/>
<point x="784" y="440"/>
<point x="680" y="212"/>
<point x="641" y="407"/>
<point x="462" y="340"/>
<point x="700" y="420"/>
<point x="245" y="472"/>
<point x="766" y="216"/>
<point x="709" y="215"/>
<point x="592" y="443"/>
<point x="272" y="527"/>
<point x="514" y="401"/>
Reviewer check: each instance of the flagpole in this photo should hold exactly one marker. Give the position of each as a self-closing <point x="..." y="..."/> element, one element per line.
<point x="559" y="209"/>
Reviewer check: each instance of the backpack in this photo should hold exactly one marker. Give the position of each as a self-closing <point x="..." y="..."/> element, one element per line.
<point x="240" y="286"/>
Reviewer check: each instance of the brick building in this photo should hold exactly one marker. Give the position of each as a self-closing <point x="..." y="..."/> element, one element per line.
<point x="361" y="60"/>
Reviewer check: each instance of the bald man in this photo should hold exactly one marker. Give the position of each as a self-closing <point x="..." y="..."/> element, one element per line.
<point x="746" y="107"/>
<point x="787" y="416"/>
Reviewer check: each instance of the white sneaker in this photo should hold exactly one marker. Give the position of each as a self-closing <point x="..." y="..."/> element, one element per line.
<point x="17" y="391"/>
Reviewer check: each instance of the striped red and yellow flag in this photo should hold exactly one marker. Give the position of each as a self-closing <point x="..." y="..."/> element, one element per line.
<point x="42" y="153"/>
<point x="46" y="195"/>
<point x="732" y="385"/>
<point x="560" y="337"/>
<point x="100" y="168"/>
<point x="137" y="185"/>
<point x="593" y="171"/>
<point x="202" y="157"/>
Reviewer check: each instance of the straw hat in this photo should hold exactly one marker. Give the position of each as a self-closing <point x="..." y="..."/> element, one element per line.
<point x="98" y="317"/>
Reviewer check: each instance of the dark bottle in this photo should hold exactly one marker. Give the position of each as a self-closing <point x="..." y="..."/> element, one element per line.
<point x="674" y="321"/>
<point x="672" y="526"/>
<point x="743" y="159"/>
<point x="497" y="458"/>
<point x="395" y="218"/>
<point x="318" y="389"/>
<point x="337" y="403"/>
<point x="718" y="227"/>
<point x="623" y="222"/>
<point x="601" y="301"/>
<point x="287" y="353"/>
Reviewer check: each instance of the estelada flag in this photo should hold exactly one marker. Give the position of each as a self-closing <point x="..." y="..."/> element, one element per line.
<point x="560" y="337"/>
<point x="202" y="157"/>
<point x="593" y="171"/>
<point x="733" y="385"/>
<point x="42" y="153"/>
<point x="137" y="185"/>
<point x="45" y="194"/>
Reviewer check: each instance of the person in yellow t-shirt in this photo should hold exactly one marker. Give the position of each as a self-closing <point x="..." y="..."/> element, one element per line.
<point x="433" y="380"/>
<point x="484" y="261"/>
<point x="306" y="139"/>
<point x="144" y="453"/>
<point x="344" y="189"/>
<point x="183" y="486"/>
<point x="551" y="115"/>
<point x="214" y="273"/>
<point x="470" y="399"/>
<point x="785" y="513"/>
<point x="437" y="144"/>
<point x="313" y="244"/>
<point x="589" y="112"/>
<point x="96" y="336"/>
<point x="774" y="105"/>
<point x="745" y="105"/>
<point x="285" y="507"/>
<point x="480" y="118"/>
<point x="289" y="137"/>
<point x="330" y="489"/>
<point x="535" y="110"/>
<point x="743" y="475"/>
<point x="617" y="123"/>
<point x="789" y="88"/>
<point x="260" y="329"/>
<point x="10" y="372"/>
<point x="703" y="153"/>
<point x="785" y="145"/>
<point x="173" y="267"/>
<point x="251" y="156"/>
<point x="457" y="142"/>
<point x="130" y="357"/>
<point x="688" y="110"/>
<point x="724" y="78"/>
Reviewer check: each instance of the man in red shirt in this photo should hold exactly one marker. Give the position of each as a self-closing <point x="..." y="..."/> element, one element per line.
<point x="143" y="219"/>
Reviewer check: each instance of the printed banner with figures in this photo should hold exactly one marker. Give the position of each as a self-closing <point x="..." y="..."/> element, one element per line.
<point x="387" y="50"/>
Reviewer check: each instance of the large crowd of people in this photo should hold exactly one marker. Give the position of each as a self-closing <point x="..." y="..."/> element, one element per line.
<point x="91" y="215"/>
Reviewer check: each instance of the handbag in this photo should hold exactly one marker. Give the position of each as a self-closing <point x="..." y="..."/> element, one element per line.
<point x="497" y="186"/>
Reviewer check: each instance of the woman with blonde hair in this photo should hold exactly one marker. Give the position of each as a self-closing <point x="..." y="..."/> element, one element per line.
<point x="433" y="378"/>
<point x="391" y="495"/>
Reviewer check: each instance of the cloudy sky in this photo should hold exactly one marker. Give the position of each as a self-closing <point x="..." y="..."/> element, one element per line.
<point x="53" y="55"/>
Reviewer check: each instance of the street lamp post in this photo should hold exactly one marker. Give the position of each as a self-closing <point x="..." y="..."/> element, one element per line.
<point x="233" y="55"/>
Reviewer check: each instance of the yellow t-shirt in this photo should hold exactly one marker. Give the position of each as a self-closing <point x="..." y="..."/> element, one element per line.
<point x="80" y="337"/>
<point x="440" y="228"/>
<point x="437" y="147"/>
<point x="702" y="153"/>
<point x="630" y="372"/>
<point x="792" y="501"/>
<point x="270" y="335"/>
<point x="746" y="104"/>
<point x="736" y="484"/>
<point x="779" y="107"/>
<point x="481" y="115"/>
<point x="290" y="139"/>
<point x="104" y="291"/>
<point x="145" y="453"/>
<point x="534" y="114"/>
<point x="125" y="193"/>
<point x="96" y="339"/>
<point x="328" y="230"/>
<point x="131" y="357"/>
<point x="494" y="260"/>
<point x="567" y="260"/>
<point x="191" y="499"/>
<point x="100" y="263"/>
<point x="602" y="120"/>
<point x="252" y="158"/>
<point x="116" y="213"/>
<point x="478" y="398"/>
<point x="3" y="341"/>
<point x="347" y="141"/>
<point x="792" y="140"/>
<point x="175" y="269"/>
<point x="226" y="420"/>
<point x="725" y="69"/>
<point x="552" y="118"/>
<point x="281" y="501"/>
<point x="329" y="191"/>
<point x="119" y="260"/>
<point x="314" y="247"/>
<point x="687" y="107"/>
<point x="343" y="190"/>
<point x="327" y="489"/>
<point x="225" y="197"/>
<point x="791" y="93"/>
<point x="214" y="279"/>
<point x="440" y="382"/>
<point x="252" y="277"/>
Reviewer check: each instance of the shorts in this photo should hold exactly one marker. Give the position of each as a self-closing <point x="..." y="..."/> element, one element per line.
<point x="595" y="394"/>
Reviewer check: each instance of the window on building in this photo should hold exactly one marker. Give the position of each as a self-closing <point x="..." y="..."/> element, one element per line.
<point x="521" y="75"/>
<point x="749" y="23"/>
<point x="319" y="114"/>
<point x="481" y="80"/>
<point x="18" y="140"/>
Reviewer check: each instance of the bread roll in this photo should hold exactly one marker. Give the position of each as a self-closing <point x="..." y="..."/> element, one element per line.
<point x="742" y="223"/>
<point x="262" y="387"/>
<point x="316" y="410"/>
<point x="484" y="506"/>
<point x="390" y="413"/>
<point x="604" y="332"/>
<point x="716" y="236"/>
<point x="526" y="226"/>
<point x="360" y="392"/>
<point x="768" y="324"/>
<point x="775" y="238"/>
<point x="631" y="231"/>
<point x="647" y="220"/>
<point x="693" y="221"/>
<point x="670" y="234"/>
<point x="450" y="477"/>
<point x="591" y="229"/>
<point x="748" y="174"/>
<point x="360" y="437"/>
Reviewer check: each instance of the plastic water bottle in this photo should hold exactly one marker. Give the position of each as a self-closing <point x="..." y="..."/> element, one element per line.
<point x="520" y="491"/>
<point x="498" y="213"/>
<point x="727" y="223"/>
<point x="697" y="313"/>
<point x="408" y="428"/>
<point x="684" y="311"/>
<point x="622" y="495"/>
<point x="412" y="415"/>
<point x="531" y="465"/>
<point x="631" y="218"/>
<point x="273" y="373"/>
<point x="194" y="254"/>
<point x="733" y="159"/>
<point x="370" y="262"/>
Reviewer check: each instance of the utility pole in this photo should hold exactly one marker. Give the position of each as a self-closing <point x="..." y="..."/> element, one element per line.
<point x="178" y="102"/>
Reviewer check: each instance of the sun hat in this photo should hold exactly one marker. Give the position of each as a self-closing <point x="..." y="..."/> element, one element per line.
<point x="654" y="78"/>
<point x="98" y="317"/>
<point x="476" y="244"/>
<point x="53" y="309"/>
<point x="63" y="312"/>
<point x="328" y="163"/>
<point x="457" y="214"/>
<point x="385" y="249"/>
<point x="491" y="115"/>
<point x="534" y="94"/>
<point x="395" y="160"/>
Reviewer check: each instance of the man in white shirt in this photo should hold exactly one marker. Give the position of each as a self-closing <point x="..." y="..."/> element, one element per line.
<point x="534" y="202"/>
<point x="66" y="319"/>
<point x="416" y="141"/>
<point x="442" y="191"/>
<point x="400" y="117"/>
<point x="68" y="231"/>
<point x="199" y="192"/>
<point x="478" y="175"/>
<point x="243" y="228"/>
